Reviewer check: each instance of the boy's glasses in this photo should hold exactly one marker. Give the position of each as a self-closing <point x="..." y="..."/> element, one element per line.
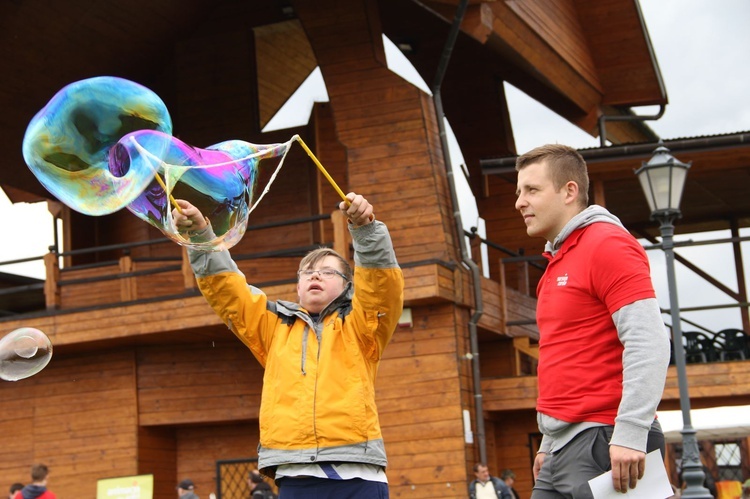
<point x="322" y="273"/>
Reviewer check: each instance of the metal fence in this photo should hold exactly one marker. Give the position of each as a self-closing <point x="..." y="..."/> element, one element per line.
<point x="231" y="478"/>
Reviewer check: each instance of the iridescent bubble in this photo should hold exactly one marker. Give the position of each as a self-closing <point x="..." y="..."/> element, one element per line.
<point x="219" y="180"/>
<point x="105" y="143"/>
<point x="67" y="143"/>
<point x="23" y="353"/>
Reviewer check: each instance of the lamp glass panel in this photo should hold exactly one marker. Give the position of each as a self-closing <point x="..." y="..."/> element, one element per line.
<point x="678" y="184"/>
<point x="643" y="178"/>
<point x="659" y="186"/>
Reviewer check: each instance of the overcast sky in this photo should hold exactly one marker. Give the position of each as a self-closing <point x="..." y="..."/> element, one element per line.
<point x="702" y="50"/>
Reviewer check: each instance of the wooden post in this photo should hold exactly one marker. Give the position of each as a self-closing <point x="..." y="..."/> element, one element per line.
<point x="523" y="278"/>
<point x="341" y="236"/>
<point x="503" y="298"/>
<point x="128" y="286"/>
<point x="599" y="193"/>
<point x="739" y="269"/>
<point x="188" y="278"/>
<point x="52" y="277"/>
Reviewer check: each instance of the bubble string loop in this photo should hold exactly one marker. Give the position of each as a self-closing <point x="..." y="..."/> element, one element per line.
<point x="273" y="176"/>
<point x="218" y="180"/>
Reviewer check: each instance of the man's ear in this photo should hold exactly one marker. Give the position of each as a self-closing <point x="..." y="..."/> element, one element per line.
<point x="571" y="192"/>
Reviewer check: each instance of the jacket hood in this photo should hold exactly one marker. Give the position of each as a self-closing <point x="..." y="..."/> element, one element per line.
<point x="590" y="215"/>
<point x="33" y="491"/>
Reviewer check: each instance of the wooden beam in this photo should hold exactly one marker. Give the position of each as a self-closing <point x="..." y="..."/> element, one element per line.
<point x="52" y="276"/>
<point x="284" y="60"/>
<point x="552" y="50"/>
<point x="739" y="269"/>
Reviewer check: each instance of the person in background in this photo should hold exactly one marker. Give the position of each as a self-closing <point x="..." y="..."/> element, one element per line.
<point x="603" y="346"/>
<point x="509" y="478"/>
<point x="485" y="486"/>
<point x="37" y="489"/>
<point x="186" y="489"/>
<point x="319" y="426"/>
<point x="14" y="488"/>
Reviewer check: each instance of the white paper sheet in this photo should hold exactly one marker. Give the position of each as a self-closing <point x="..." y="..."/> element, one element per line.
<point x="653" y="485"/>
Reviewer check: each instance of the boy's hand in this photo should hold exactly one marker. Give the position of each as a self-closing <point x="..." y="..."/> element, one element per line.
<point x="359" y="211"/>
<point x="190" y="220"/>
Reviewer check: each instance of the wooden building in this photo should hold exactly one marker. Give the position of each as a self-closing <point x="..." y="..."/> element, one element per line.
<point x="146" y="380"/>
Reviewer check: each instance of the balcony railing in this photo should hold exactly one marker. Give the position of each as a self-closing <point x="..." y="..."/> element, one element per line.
<point x="518" y="272"/>
<point x="128" y="279"/>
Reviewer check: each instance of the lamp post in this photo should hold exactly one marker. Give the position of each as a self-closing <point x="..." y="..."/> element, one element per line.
<point x="663" y="179"/>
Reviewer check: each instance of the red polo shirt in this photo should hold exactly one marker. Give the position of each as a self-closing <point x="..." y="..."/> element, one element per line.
<point x="599" y="269"/>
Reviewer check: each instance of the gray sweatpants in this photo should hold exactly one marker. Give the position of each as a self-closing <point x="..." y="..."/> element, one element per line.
<point x="565" y="473"/>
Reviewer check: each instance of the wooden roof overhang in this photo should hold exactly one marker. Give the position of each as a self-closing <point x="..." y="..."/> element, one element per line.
<point x="581" y="58"/>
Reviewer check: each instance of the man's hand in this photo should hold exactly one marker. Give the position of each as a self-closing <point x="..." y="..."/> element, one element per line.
<point x="190" y="220"/>
<point x="359" y="211"/>
<point x="628" y="466"/>
<point x="538" y="462"/>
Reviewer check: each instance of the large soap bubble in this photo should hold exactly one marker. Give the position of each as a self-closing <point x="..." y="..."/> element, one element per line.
<point x="23" y="353"/>
<point x="220" y="181"/>
<point x="105" y="143"/>
<point x="67" y="143"/>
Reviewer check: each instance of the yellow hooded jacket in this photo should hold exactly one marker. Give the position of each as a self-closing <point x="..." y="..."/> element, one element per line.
<point x="318" y="400"/>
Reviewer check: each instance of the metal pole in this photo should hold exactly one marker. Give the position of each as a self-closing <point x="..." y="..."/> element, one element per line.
<point x="692" y="470"/>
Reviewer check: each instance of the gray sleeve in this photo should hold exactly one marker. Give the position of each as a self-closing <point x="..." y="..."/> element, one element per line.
<point x="206" y="263"/>
<point x="545" y="445"/>
<point x="644" y="370"/>
<point x="372" y="246"/>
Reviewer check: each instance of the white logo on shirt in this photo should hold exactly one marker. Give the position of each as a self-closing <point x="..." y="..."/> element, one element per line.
<point x="562" y="280"/>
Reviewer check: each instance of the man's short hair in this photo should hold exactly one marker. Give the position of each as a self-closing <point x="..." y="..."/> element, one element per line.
<point x="39" y="472"/>
<point x="479" y="465"/>
<point x="16" y="487"/>
<point x="315" y="256"/>
<point x="563" y="165"/>
<point x="507" y="474"/>
<point x="186" y="484"/>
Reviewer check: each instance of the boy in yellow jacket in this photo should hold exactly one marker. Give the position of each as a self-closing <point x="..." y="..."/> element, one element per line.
<point x="319" y="425"/>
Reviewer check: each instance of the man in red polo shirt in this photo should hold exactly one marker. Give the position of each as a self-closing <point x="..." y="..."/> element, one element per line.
<point x="603" y="347"/>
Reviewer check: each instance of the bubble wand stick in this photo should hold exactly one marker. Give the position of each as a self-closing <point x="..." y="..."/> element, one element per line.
<point x="171" y="198"/>
<point x="320" y="167"/>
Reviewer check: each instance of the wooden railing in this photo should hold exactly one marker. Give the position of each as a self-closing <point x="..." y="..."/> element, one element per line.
<point x="129" y="279"/>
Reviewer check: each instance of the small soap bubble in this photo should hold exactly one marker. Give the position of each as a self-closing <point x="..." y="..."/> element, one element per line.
<point x="23" y="353"/>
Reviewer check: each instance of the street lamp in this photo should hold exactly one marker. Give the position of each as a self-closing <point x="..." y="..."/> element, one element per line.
<point x="663" y="180"/>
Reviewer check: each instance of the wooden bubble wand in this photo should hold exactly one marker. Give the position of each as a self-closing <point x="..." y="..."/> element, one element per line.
<point x="322" y="170"/>
<point x="171" y="198"/>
